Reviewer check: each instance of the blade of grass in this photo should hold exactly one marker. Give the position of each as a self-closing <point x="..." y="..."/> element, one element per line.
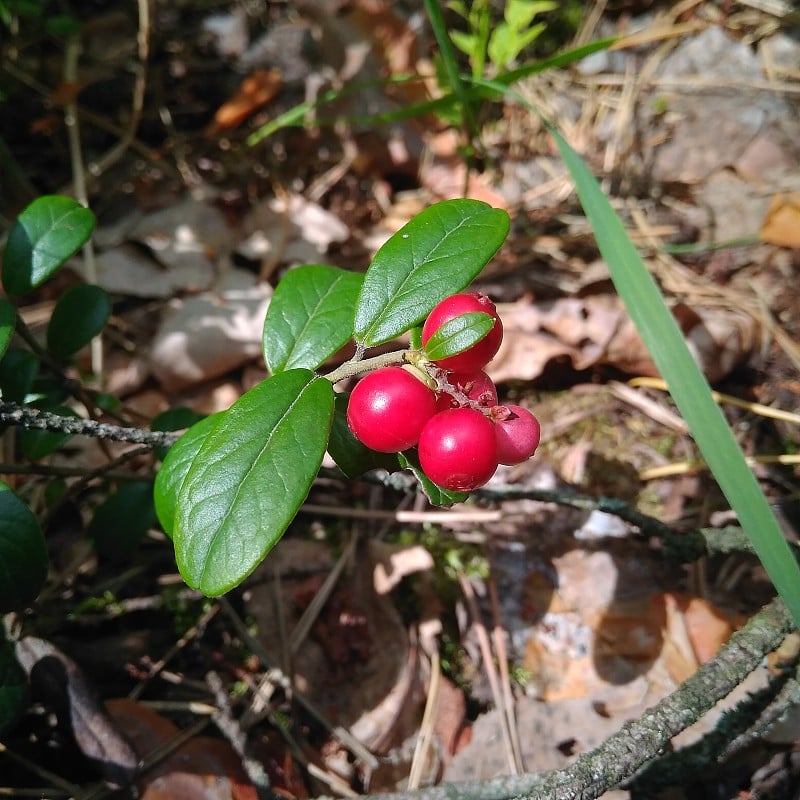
<point x="450" y="62"/>
<point x="687" y="384"/>
<point x="473" y="91"/>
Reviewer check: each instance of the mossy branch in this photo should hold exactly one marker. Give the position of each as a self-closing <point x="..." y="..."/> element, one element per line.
<point x="639" y="741"/>
<point x="28" y="417"/>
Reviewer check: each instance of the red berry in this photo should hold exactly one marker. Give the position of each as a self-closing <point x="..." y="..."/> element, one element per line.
<point x="480" y="353"/>
<point x="457" y="449"/>
<point x="517" y="435"/>
<point x="388" y="409"/>
<point x="477" y="386"/>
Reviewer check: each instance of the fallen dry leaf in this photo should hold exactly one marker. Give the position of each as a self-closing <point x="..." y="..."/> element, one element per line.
<point x="255" y="91"/>
<point x="60" y="679"/>
<point x="597" y="331"/>
<point x="356" y="664"/>
<point x="707" y="626"/>
<point x="205" y="336"/>
<point x="200" y="769"/>
<point x="781" y="225"/>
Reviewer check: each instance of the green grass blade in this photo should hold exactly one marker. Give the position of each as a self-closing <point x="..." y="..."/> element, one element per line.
<point x="687" y="384"/>
<point x="557" y="61"/>
<point x="450" y="61"/>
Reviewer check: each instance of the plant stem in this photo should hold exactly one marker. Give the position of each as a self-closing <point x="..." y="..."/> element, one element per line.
<point x="27" y="417"/>
<point x="352" y="368"/>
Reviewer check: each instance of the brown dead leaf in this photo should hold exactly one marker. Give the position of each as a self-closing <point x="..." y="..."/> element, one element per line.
<point x="63" y="683"/>
<point x="356" y="664"/>
<point x="597" y="331"/>
<point x="781" y="225"/>
<point x="65" y="93"/>
<point x="445" y="177"/>
<point x="255" y="92"/>
<point x="707" y="626"/>
<point x="451" y="717"/>
<point x="200" y="769"/>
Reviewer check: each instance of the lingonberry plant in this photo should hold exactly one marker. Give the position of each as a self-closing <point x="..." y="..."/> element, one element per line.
<point x="229" y="487"/>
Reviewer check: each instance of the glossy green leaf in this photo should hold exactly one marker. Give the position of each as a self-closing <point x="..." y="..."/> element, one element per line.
<point x="121" y="521"/>
<point x="36" y="443"/>
<point x="45" y="235"/>
<point x="687" y="384"/>
<point x="249" y="477"/>
<point x="8" y="318"/>
<point x="436" y="254"/>
<point x="351" y="456"/>
<point x="13" y="685"/>
<point x="80" y="314"/>
<point x="174" y="468"/>
<point x="458" y="334"/>
<point x="18" y="370"/>
<point x="23" y="555"/>
<point x="435" y="494"/>
<point x="310" y="316"/>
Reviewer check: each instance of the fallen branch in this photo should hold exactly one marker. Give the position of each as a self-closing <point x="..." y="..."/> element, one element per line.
<point x="638" y="741"/>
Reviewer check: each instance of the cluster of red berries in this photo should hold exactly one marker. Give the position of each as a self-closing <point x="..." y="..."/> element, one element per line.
<point x="461" y="432"/>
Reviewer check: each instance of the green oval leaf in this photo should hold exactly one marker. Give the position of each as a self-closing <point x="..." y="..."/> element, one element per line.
<point x="174" y="468"/>
<point x="8" y="318"/>
<point x="23" y="555"/>
<point x="13" y="685"/>
<point x="17" y="373"/>
<point x="79" y="315"/>
<point x="458" y="334"/>
<point x="436" y="254"/>
<point x="249" y="477"/>
<point x="435" y="494"/>
<point x="45" y="235"/>
<point x="122" y="520"/>
<point x="37" y="443"/>
<point x="310" y="316"/>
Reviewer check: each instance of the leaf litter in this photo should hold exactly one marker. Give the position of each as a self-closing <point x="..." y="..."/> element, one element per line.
<point x="596" y="628"/>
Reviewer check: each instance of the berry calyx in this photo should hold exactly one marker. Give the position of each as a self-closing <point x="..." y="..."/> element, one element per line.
<point x="476" y="387"/>
<point x="458" y="450"/>
<point x="482" y="352"/>
<point x="388" y="409"/>
<point x="517" y="433"/>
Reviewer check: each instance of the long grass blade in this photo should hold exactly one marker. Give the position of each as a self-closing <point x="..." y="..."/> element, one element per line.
<point x="687" y="384"/>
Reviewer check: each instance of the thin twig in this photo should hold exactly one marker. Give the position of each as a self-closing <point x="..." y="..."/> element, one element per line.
<point x="491" y="671"/>
<point x="137" y="101"/>
<point x="193" y="632"/>
<point x="72" y="125"/>
<point x="426" y="728"/>
<point x="498" y="636"/>
<point x="344" y="737"/>
<point x="310" y="614"/>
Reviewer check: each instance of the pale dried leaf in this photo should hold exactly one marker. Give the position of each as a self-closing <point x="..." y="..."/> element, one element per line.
<point x="393" y="563"/>
<point x="597" y="331"/>
<point x="207" y="335"/>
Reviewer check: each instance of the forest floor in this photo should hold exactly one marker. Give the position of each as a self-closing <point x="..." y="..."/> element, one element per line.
<point x="319" y="669"/>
